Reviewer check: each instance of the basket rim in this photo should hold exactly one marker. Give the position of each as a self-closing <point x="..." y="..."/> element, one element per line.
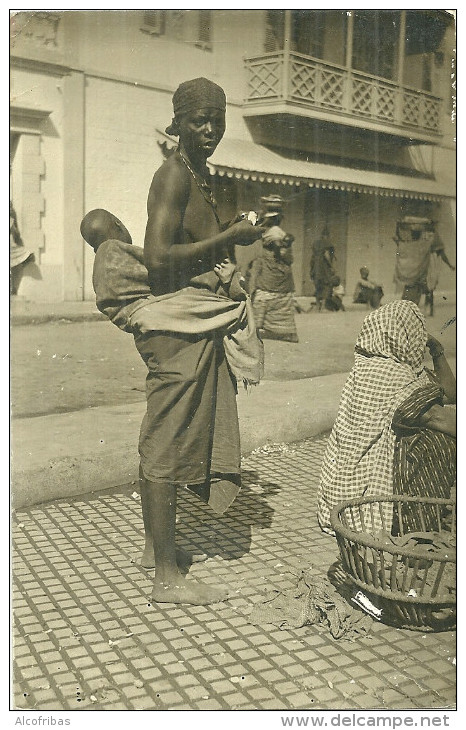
<point x="442" y="599"/>
<point x="366" y="539"/>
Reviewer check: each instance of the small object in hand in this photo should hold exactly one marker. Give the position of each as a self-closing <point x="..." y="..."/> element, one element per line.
<point x="250" y="216"/>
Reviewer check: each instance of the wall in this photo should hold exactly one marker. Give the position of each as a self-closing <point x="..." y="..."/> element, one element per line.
<point x="121" y="152"/>
<point x="161" y="60"/>
<point x="371" y="227"/>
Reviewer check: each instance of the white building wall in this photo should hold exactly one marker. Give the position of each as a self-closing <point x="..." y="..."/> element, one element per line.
<point x="371" y="228"/>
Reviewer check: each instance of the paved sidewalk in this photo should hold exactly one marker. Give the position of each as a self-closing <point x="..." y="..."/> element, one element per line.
<point x="87" y="636"/>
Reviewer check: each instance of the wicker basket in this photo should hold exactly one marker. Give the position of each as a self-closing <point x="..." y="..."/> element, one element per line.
<point x="409" y="586"/>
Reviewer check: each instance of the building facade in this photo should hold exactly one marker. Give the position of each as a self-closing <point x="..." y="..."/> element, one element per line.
<point x="348" y="115"/>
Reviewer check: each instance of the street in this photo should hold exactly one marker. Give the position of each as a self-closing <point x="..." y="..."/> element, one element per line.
<point x="66" y="366"/>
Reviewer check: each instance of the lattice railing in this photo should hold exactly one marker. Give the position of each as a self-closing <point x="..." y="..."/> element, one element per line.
<point x="265" y="77"/>
<point x="316" y="84"/>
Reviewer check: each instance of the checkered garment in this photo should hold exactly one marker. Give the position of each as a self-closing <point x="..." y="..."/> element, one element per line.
<point x="388" y="368"/>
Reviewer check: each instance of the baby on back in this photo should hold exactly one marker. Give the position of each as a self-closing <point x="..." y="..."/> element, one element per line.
<point x="99" y="225"/>
<point x="120" y="277"/>
<point x="121" y="284"/>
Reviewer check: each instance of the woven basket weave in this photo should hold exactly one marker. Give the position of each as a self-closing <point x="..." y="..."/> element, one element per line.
<point x="409" y="585"/>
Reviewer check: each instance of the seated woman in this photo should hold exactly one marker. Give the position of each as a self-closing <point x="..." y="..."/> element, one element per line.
<point x="393" y="432"/>
<point x="367" y="292"/>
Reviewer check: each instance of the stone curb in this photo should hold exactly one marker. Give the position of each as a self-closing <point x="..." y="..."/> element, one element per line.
<point x="68" y="454"/>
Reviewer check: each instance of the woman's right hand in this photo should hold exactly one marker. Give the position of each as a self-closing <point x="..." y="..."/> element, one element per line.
<point x="434" y="346"/>
<point x="244" y="233"/>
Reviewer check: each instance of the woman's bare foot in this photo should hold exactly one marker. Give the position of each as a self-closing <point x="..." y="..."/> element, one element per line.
<point x="181" y="590"/>
<point x="183" y="557"/>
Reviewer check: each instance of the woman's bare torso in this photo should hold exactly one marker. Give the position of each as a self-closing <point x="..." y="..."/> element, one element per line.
<point x="198" y="222"/>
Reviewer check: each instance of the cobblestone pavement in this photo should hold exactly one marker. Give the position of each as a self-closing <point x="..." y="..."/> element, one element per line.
<point x="87" y="637"/>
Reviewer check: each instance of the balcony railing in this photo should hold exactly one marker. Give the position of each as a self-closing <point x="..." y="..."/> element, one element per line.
<point x="314" y="84"/>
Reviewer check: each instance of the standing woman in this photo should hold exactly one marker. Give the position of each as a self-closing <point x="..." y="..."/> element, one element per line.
<point x="190" y="433"/>
<point x="322" y="270"/>
<point x="437" y="254"/>
<point x="271" y="283"/>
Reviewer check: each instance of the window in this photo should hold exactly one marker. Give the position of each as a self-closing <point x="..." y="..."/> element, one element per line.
<point x="375" y="42"/>
<point x="204" y="29"/>
<point x="274" y="31"/>
<point x="317" y="33"/>
<point x="188" y="26"/>
<point x="320" y="33"/>
<point x="154" y="22"/>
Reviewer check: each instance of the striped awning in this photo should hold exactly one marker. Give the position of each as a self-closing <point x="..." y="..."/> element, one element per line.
<point x="246" y="160"/>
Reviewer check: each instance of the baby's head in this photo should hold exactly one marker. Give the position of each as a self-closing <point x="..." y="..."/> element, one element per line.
<point x="364" y="271"/>
<point x="99" y="225"/>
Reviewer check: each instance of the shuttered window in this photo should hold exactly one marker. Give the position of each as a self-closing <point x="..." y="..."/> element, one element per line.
<point x="188" y="26"/>
<point x="204" y="29"/>
<point x="154" y="22"/>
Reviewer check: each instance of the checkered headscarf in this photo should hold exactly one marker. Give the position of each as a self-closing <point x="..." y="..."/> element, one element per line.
<point x="396" y="331"/>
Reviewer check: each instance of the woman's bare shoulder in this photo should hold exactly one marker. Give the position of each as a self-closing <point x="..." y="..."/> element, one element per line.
<point x="170" y="181"/>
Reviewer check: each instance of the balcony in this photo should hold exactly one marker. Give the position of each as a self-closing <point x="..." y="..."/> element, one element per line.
<point x="291" y="83"/>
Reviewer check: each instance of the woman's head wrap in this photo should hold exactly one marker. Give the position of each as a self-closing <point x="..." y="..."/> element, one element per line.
<point x="272" y="203"/>
<point x="196" y="94"/>
<point x="396" y="331"/>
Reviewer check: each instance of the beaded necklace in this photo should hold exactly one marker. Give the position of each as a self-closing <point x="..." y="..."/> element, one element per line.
<point x="203" y="186"/>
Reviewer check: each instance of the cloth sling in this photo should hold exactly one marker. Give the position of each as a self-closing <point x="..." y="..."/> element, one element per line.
<point x="122" y="293"/>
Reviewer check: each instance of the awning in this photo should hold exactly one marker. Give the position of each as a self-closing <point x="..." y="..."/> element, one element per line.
<point x="246" y="160"/>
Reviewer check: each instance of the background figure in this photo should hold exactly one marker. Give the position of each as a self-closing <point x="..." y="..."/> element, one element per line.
<point x="437" y="253"/>
<point x="367" y="292"/>
<point x="322" y="270"/>
<point x="20" y="256"/>
<point x="418" y="251"/>
<point x="270" y="276"/>
<point x="334" y="302"/>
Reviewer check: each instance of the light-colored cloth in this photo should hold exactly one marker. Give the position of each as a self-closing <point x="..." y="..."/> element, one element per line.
<point x="412" y="260"/>
<point x="19" y="254"/>
<point x="122" y="293"/>
<point x="200" y="311"/>
<point x="388" y="367"/>
<point x="433" y="272"/>
<point x="273" y="234"/>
